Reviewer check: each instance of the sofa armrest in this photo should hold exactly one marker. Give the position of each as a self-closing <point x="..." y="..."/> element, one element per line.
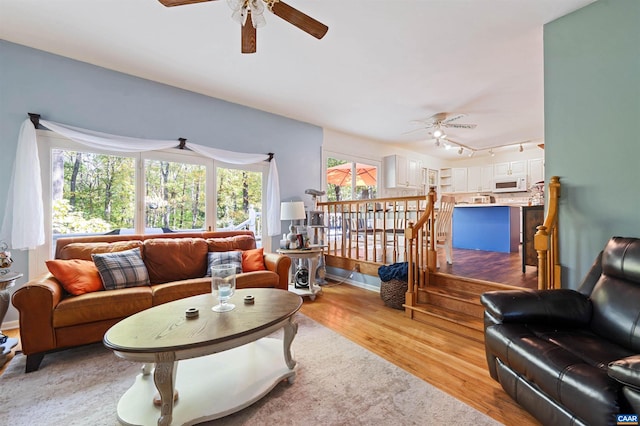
<point x="537" y="306"/>
<point x="35" y="302"/>
<point x="280" y="264"/>
<point x="626" y="371"/>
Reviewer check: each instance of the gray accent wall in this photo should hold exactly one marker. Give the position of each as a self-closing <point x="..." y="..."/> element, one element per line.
<point x="592" y="128"/>
<point x="84" y="95"/>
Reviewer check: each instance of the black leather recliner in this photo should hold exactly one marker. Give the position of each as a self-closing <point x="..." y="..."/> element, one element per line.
<point x="572" y="356"/>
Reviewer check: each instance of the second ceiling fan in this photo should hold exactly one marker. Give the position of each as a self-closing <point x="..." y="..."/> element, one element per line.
<point x="249" y="13"/>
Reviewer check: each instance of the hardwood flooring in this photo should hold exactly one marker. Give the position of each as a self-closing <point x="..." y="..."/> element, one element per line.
<point x="448" y="360"/>
<point x="502" y="268"/>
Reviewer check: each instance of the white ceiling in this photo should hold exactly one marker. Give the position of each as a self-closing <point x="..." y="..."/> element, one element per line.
<point x="382" y="64"/>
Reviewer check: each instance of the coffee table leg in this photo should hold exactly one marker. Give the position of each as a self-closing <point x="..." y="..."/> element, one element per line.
<point x="290" y="331"/>
<point x="164" y="377"/>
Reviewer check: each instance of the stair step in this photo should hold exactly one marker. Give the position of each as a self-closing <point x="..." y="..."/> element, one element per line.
<point x="449" y="320"/>
<point x="454" y="300"/>
<point x="470" y="285"/>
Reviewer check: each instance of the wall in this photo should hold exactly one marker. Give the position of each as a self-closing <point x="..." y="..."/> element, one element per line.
<point x="80" y="94"/>
<point x="592" y="127"/>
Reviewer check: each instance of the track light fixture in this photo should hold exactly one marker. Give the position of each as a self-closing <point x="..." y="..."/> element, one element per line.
<point x="491" y="153"/>
<point x="460" y="151"/>
<point x="521" y="148"/>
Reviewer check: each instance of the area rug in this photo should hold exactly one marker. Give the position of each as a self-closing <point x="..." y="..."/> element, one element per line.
<point x="338" y="383"/>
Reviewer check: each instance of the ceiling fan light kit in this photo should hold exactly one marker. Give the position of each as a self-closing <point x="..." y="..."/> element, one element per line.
<point x="249" y="13"/>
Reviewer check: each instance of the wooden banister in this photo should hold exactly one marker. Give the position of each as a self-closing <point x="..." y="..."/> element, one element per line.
<point x="545" y="242"/>
<point x="421" y="251"/>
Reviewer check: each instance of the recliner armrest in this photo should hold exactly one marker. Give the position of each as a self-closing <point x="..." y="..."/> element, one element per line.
<point x="537" y="306"/>
<point x="626" y="371"/>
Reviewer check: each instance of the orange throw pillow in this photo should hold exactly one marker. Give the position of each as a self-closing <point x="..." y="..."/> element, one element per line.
<point x="76" y="276"/>
<point x="253" y="260"/>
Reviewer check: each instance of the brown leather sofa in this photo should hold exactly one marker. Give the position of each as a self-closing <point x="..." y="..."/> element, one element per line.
<point x="51" y="318"/>
<point x="572" y="357"/>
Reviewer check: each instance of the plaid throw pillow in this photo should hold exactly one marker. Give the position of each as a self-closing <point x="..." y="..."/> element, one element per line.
<point x="222" y="257"/>
<point x="122" y="269"/>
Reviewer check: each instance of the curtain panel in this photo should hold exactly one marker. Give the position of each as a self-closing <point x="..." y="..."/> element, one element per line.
<point x="23" y="223"/>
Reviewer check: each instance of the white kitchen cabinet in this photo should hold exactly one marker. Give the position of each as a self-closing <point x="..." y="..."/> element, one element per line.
<point x="414" y="173"/>
<point x="474" y="179"/>
<point x="479" y="178"/>
<point x="510" y="168"/>
<point x="486" y="178"/>
<point x="536" y="171"/>
<point x="400" y="172"/>
<point x="459" y="179"/>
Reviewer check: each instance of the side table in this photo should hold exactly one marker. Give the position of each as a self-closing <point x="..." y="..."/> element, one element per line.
<point x="7" y="281"/>
<point x="312" y="256"/>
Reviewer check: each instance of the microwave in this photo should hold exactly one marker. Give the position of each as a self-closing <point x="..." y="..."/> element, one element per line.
<point x="515" y="183"/>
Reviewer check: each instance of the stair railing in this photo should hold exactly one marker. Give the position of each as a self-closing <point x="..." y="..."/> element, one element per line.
<point x="545" y="242"/>
<point x="421" y="251"/>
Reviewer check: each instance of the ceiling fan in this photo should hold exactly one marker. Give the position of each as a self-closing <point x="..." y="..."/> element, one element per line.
<point x="249" y="13"/>
<point x="442" y="120"/>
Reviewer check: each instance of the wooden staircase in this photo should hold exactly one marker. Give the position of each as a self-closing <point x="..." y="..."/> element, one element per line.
<point x="449" y="302"/>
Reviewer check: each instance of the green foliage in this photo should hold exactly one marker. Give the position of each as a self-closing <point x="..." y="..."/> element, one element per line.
<point x="95" y="193"/>
<point x="238" y="191"/>
<point x="68" y="221"/>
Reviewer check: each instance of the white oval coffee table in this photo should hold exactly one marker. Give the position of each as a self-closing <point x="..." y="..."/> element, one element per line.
<point x="226" y="361"/>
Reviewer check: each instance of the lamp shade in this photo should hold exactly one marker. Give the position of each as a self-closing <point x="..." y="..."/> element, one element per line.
<point x="292" y="210"/>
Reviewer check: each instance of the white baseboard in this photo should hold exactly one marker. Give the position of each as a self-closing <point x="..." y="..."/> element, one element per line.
<point x="339" y="279"/>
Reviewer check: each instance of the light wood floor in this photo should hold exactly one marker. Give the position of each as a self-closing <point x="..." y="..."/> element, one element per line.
<point x="449" y="361"/>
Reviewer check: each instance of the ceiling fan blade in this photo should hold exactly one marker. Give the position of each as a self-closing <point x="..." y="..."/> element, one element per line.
<point x="249" y="36"/>
<point x="452" y="118"/>
<point x="299" y="19"/>
<point x="170" y="3"/>
<point x="460" y="125"/>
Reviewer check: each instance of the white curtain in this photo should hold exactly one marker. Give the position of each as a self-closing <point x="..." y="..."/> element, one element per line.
<point x="23" y="224"/>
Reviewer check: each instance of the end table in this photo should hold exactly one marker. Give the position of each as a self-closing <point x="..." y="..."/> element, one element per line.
<point x="312" y="256"/>
<point x="7" y="281"/>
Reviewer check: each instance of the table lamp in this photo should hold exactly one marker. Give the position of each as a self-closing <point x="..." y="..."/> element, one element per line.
<point x="292" y="210"/>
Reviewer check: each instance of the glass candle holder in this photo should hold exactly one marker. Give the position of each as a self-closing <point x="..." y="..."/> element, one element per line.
<point x="223" y="286"/>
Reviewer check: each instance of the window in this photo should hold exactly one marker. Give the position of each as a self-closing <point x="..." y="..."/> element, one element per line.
<point x="239" y="198"/>
<point x="350" y="180"/>
<point x="90" y="192"/>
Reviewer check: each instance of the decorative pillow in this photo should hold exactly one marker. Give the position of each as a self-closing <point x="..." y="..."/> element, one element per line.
<point x="122" y="269"/>
<point x="253" y="260"/>
<point x="222" y="257"/>
<point x="76" y="276"/>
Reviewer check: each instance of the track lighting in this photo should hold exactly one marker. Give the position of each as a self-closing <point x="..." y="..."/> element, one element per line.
<point x="437" y="142"/>
<point x="491" y="153"/>
<point x="521" y="148"/>
<point x="460" y="151"/>
<point x="471" y="153"/>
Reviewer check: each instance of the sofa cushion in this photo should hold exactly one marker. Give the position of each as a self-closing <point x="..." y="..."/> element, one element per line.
<point x="237" y="242"/>
<point x="76" y="276"/>
<point x="168" y="292"/>
<point x="85" y="250"/>
<point x="253" y="260"/>
<point x="121" y="269"/>
<point x="175" y="259"/>
<point x="222" y="258"/>
<point x="102" y="305"/>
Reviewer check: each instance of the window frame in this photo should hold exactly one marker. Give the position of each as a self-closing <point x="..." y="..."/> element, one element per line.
<point x="350" y="158"/>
